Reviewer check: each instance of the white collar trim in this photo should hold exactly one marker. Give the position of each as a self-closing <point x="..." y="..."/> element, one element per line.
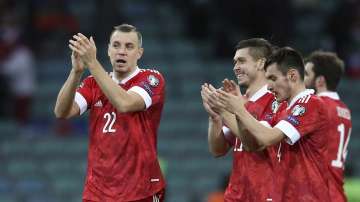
<point x="134" y="73"/>
<point x="300" y="95"/>
<point x="261" y="92"/>
<point x="331" y="94"/>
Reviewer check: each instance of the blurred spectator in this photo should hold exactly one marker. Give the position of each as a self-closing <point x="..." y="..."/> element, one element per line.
<point x="17" y="66"/>
<point x="344" y="28"/>
<point x="51" y="21"/>
<point x="272" y="19"/>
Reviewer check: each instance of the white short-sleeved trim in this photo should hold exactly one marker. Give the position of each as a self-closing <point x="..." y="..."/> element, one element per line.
<point x="226" y="130"/>
<point x="227" y="133"/>
<point x="266" y="124"/>
<point x="289" y="130"/>
<point x="81" y="102"/>
<point x="145" y="95"/>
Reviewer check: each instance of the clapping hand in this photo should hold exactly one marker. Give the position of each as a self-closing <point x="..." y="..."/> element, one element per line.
<point x="84" y="47"/>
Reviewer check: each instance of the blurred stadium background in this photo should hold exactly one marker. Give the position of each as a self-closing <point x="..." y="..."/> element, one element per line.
<point x="191" y="42"/>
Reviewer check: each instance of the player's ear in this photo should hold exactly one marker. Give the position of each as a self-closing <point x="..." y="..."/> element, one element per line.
<point x="292" y="75"/>
<point x="140" y="53"/>
<point x="260" y="64"/>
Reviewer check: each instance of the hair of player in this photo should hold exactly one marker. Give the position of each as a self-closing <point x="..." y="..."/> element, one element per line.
<point x="287" y="58"/>
<point x="128" y="28"/>
<point x="258" y="47"/>
<point x="329" y="65"/>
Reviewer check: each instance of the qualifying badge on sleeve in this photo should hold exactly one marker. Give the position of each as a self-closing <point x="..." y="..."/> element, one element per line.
<point x="153" y="81"/>
<point x="298" y="110"/>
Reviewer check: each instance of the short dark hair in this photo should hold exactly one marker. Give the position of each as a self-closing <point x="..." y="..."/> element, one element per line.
<point x="287" y="58"/>
<point x="329" y="65"/>
<point x="258" y="47"/>
<point x="128" y="28"/>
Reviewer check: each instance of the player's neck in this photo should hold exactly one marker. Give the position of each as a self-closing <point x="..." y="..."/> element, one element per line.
<point x="123" y="75"/>
<point x="321" y="90"/>
<point x="255" y="86"/>
<point x="296" y="90"/>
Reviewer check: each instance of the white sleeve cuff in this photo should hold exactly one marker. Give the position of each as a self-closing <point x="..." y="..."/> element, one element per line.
<point x="266" y="124"/>
<point x="289" y="130"/>
<point x="145" y="95"/>
<point x="81" y="102"/>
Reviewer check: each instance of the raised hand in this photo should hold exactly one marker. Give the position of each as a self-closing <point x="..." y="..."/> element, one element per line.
<point x="231" y="87"/>
<point x="77" y="63"/>
<point x="84" y="47"/>
<point x="205" y="95"/>
<point x="230" y="102"/>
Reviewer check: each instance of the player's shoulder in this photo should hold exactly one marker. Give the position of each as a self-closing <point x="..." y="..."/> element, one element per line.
<point x="343" y="110"/>
<point x="153" y="76"/>
<point x="148" y="71"/>
<point x="88" y="80"/>
<point x="308" y="102"/>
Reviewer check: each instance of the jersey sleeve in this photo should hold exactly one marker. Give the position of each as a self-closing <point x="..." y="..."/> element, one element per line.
<point x="300" y="120"/>
<point x="83" y="96"/>
<point x="228" y="135"/>
<point x="151" y="87"/>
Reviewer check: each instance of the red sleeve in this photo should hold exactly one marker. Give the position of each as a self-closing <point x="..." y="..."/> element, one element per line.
<point x="302" y="119"/>
<point x="151" y="87"/>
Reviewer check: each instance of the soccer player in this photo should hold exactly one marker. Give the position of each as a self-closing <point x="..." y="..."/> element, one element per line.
<point x="323" y="71"/>
<point x="125" y="110"/>
<point x="302" y="174"/>
<point x="246" y="183"/>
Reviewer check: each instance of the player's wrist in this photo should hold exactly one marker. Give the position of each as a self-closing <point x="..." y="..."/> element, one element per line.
<point x="215" y="119"/>
<point x="92" y="64"/>
<point x="77" y="72"/>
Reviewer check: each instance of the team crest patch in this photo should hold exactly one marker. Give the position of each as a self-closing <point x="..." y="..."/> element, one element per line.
<point x="298" y="110"/>
<point x="275" y="106"/>
<point x="153" y="81"/>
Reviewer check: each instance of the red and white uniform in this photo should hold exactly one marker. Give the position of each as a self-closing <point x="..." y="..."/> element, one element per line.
<point x="251" y="177"/>
<point x="302" y="173"/>
<point x="339" y="136"/>
<point x="122" y="158"/>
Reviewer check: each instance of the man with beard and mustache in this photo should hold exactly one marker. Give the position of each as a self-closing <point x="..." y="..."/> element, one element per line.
<point x="323" y="71"/>
<point x="125" y="110"/>
<point x="251" y="177"/>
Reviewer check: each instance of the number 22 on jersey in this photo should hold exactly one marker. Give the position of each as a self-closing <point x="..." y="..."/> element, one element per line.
<point x="109" y="124"/>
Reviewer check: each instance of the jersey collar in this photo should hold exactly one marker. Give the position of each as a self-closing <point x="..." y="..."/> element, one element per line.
<point x="300" y="95"/>
<point x="134" y="73"/>
<point x="261" y="92"/>
<point x="331" y="94"/>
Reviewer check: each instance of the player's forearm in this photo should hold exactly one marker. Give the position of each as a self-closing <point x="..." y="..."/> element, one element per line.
<point x="263" y="135"/>
<point x="65" y="98"/>
<point x="239" y="131"/>
<point x="218" y="145"/>
<point x="118" y="97"/>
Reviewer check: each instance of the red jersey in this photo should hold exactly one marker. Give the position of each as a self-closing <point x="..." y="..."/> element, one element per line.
<point x="122" y="158"/>
<point x="302" y="173"/>
<point x="339" y="136"/>
<point x="251" y="177"/>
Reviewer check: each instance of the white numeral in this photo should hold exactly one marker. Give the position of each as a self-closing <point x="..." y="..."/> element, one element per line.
<point x="238" y="147"/>
<point x="342" y="149"/>
<point x="110" y="120"/>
